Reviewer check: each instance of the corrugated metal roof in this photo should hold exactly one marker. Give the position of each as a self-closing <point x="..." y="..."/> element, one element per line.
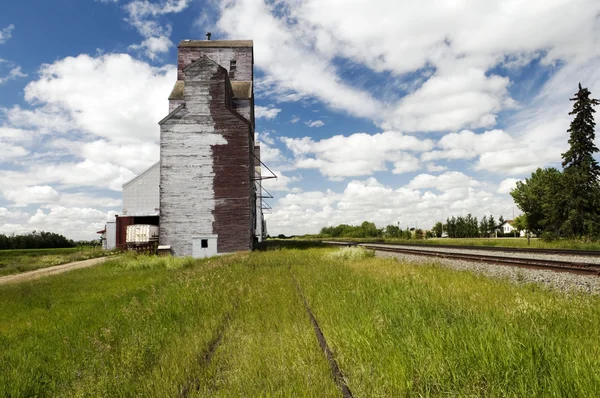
<point x="241" y="90"/>
<point x="216" y="43"/>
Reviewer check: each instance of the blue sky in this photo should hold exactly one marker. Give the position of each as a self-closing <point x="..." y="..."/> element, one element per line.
<point x="388" y="111"/>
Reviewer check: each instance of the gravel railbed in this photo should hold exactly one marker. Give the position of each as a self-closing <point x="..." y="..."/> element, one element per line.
<point x="556" y="257"/>
<point x="561" y="281"/>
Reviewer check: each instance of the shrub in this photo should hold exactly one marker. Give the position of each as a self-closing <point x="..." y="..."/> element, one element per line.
<point x="352" y="253"/>
<point x="548" y="236"/>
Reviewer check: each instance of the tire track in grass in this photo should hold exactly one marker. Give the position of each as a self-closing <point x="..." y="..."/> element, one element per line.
<point x="206" y="356"/>
<point x="338" y="376"/>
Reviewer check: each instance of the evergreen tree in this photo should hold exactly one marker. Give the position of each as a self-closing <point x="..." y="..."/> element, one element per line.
<point x="491" y="224"/>
<point x="483" y="227"/>
<point x="501" y="220"/>
<point x="580" y="168"/>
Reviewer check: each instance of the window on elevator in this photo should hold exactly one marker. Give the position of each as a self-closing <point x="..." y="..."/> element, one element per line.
<point x="232" y="68"/>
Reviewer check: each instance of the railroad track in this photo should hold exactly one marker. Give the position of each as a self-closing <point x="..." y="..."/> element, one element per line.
<point x="564" y="252"/>
<point x="530" y="263"/>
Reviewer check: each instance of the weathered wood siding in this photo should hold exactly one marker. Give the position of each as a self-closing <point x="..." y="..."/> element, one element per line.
<point x="222" y="56"/>
<point x="174" y="104"/>
<point x="206" y="171"/>
<point x="141" y="195"/>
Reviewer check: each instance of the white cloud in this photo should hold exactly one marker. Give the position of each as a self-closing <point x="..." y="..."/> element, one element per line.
<point x="432" y="167"/>
<point x="86" y="173"/>
<point x="265" y="137"/>
<point x="112" y="96"/>
<point x="153" y="46"/>
<point x="507" y="185"/>
<point x="315" y="123"/>
<point x="293" y="71"/>
<point x="102" y="113"/>
<point x="10" y="152"/>
<point x="45" y="120"/>
<point x="369" y="200"/>
<point x="517" y="161"/>
<point x="295" y="119"/>
<point x="452" y="48"/>
<point x="135" y="157"/>
<point x="359" y="154"/>
<point x="281" y="183"/>
<point x="405" y="163"/>
<point x="6" y="33"/>
<point x="467" y="145"/>
<point x="6" y="214"/>
<point x="451" y="99"/>
<point x="448" y="180"/>
<point x="266" y="112"/>
<point x="82" y="199"/>
<point x="143" y="15"/>
<point x="24" y="196"/>
<point x="13" y="73"/>
<point x="11" y="134"/>
<point x="72" y="222"/>
<point x="541" y="128"/>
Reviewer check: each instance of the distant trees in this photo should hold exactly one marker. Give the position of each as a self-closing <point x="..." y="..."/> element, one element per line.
<point x="542" y="198"/>
<point x="369" y="230"/>
<point x="462" y="227"/>
<point x="365" y="230"/>
<point x="35" y="240"/>
<point x="438" y="229"/>
<point x="455" y="226"/>
<point x="520" y="223"/>
<point x="567" y="203"/>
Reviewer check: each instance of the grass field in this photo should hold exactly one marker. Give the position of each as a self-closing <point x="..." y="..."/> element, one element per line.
<point x="236" y="326"/>
<point x="17" y="261"/>
<point x="497" y="242"/>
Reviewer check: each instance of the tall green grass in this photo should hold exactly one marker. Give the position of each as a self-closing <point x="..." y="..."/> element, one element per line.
<point x="236" y="326"/>
<point x="401" y="329"/>
<point x="143" y="326"/>
<point x="23" y="260"/>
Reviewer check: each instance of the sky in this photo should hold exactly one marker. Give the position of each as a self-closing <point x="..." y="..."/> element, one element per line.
<point x="390" y="111"/>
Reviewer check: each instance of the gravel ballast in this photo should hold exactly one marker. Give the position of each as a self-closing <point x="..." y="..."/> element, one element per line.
<point x="555" y="257"/>
<point x="562" y="281"/>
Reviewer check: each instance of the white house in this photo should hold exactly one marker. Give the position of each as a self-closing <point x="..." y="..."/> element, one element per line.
<point x="507" y="227"/>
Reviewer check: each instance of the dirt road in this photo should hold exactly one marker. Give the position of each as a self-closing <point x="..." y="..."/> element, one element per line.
<point x="59" y="269"/>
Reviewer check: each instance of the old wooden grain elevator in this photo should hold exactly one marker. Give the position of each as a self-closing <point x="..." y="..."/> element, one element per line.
<point x="209" y="199"/>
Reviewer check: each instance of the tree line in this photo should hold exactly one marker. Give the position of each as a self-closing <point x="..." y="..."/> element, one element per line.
<point x="370" y="230"/>
<point x="470" y="227"/>
<point x="454" y="227"/>
<point x="35" y="240"/>
<point x="567" y="203"/>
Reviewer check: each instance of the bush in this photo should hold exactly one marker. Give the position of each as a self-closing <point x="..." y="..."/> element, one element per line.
<point x="548" y="236"/>
<point x="352" y="253"/>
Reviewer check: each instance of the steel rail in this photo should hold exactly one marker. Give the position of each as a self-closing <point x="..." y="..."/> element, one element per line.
<point x="565" y="252"/>
<point x="531" y="263"/>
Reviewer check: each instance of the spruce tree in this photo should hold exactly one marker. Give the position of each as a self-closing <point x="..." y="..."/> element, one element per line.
<point x="581" y="170"/>
<point x="491" y="224"/>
